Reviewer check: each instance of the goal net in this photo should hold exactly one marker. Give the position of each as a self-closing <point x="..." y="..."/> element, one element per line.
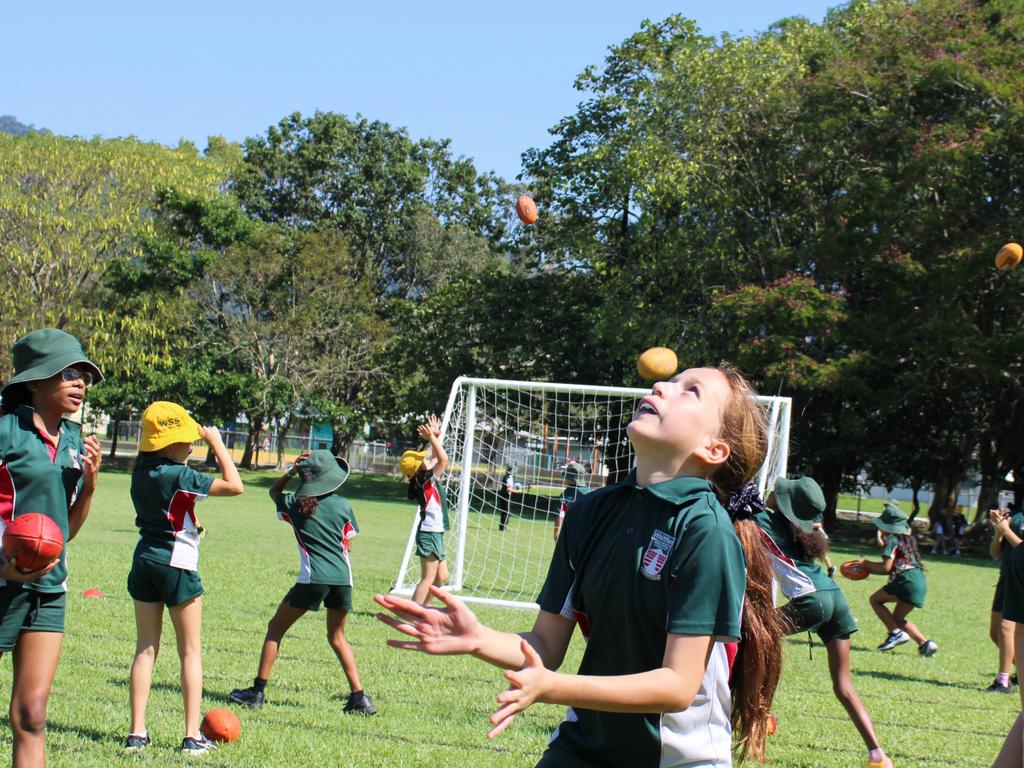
<point x="524" y="435"/>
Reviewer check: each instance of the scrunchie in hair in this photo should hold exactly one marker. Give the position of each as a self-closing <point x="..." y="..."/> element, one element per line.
<point x="745" y="503"/>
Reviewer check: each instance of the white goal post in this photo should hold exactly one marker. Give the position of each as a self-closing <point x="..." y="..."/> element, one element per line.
<point x="536" y="429"/>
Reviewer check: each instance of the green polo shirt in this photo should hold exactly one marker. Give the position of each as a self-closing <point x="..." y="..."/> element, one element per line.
<point x="433" y="506"/>
<point x="796" y="577"/>
<point x="36" y="476"/>
<point x="323" y="538"/>
<point x="631" y="566"/>
<point x="165" y="494"/>
<point x="904" y="561"/>
<point x="1017" y="526"/>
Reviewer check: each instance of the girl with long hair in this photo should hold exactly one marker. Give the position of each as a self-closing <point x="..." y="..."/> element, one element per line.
<point x="671" y="590"/>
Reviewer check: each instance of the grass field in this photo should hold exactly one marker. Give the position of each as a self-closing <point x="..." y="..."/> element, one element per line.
<point x="433" y="711"/>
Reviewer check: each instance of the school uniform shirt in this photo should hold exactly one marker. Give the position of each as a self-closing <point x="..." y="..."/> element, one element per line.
<point x="37" y="475"/>
<point x="568" y="497"/>
<point x="1017" y="526"/>
<point x="433" y="506"/>
<point x="796" y="577"/>
<point x="631" y="566"/>
<point x="165" y="494"/>
<point x="323" y="538"/>
<point x="903" y="561"/>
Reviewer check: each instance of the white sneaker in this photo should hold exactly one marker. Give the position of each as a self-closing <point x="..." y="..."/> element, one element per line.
<point x="894" y="638"/>
<point x="927" y="648"/>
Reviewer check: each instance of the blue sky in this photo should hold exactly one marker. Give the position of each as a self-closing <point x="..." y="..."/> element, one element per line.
<point x="492" y="76"/>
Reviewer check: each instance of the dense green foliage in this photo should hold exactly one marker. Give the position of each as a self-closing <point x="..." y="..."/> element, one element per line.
<point x="820" y="203"/>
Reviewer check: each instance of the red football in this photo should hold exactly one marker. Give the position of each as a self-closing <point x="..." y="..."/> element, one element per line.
<point x="853" y="570"/>
<point x="34" y="540"/>
<point x="221" y="725"/>
<point x="526" y="209"/>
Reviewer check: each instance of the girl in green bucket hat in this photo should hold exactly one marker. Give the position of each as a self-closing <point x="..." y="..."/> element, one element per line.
<point x="46" y="466"/>
<point x="324" y="525"/>
<point x="901" y="562"/>
<point x="816" y="603"/>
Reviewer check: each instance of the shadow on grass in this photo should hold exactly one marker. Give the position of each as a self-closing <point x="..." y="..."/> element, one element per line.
<point x="73" y="730"/>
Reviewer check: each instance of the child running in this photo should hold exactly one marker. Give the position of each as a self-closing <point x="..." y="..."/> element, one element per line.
<point x="324" y="524"/>
<point x="575" y="487"/>
<point x="165" y="566"/>
<point x="424" y="471"/>
<point x="901" y="561"/>
<point x="657" y="574"/>
<point x="816" y="603"/>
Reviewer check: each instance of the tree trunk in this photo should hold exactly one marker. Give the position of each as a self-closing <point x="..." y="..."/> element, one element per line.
<point x="115" y="425"/>
<point x="830" y="481"/>
<point x="991" y="479"/>
<point x="915" y="487"/>
<point x="255" y="433"/>
<point x="946" y="491"/>
<point x="339" y="442"/>
<point x="282" y="432"/>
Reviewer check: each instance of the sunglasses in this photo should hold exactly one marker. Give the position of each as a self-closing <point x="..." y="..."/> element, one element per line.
<point x="74" y="374"/>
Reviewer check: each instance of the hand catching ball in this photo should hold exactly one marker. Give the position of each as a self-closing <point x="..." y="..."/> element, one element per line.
<point x="526" y="209"/>
<point x="853" y="570"/>
<point x="1009" y="257"/>
<point x="657" y="364"/>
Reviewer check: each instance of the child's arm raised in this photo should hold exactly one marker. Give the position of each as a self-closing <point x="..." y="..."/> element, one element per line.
<point x="282" y="482"/>
<point x="430" y="432"/>
<point x="230" y="483"/>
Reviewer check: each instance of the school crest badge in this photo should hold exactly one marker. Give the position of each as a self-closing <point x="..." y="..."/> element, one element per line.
<point x="656" y="555"/>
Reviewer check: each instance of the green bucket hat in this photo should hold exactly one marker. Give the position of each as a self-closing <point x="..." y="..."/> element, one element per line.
<point x="800" y="501"/>
<point x="574" y="472"/>
<point x="45" y="353"/>
<point x="893" y="519"/>
<point x="321" y="473"/>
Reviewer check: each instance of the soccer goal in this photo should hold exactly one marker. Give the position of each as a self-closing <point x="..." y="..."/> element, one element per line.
<point x="533" y="430"/>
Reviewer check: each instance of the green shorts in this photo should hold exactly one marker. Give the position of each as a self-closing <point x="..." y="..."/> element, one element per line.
<point x="1013" y="602"/>
<point x="25" y="610"/>
<point x="825" y="612"/>
<point x="152" y="582"/>
<point x="909" y="587"/>
<point x="307" y="597"/>
<point x="430" y="544"/>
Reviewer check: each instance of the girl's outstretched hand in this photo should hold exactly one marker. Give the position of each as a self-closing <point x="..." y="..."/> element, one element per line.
<point x="449" y="630"/>
<point x="526" y="686"/>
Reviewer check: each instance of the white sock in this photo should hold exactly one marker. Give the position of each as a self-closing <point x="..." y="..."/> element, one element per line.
<point x="876" y="755"/>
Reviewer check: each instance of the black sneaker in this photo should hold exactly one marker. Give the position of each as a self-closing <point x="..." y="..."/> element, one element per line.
<point x="997" y="688"/>
<point x="249" y="697"/>
<point x="359" y="703"/>
<point x="198" y="745"/>
<point x="927" y="648"/>
<point x="134" y="743"/>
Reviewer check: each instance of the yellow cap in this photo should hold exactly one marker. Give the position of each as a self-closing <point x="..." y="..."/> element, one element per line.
<point x="166" y="423"/>
<point x="410" y="462"/>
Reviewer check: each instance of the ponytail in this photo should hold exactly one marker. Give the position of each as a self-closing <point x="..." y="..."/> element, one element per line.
<point x="307" y="505"/>
<point x="758" y="663"/>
